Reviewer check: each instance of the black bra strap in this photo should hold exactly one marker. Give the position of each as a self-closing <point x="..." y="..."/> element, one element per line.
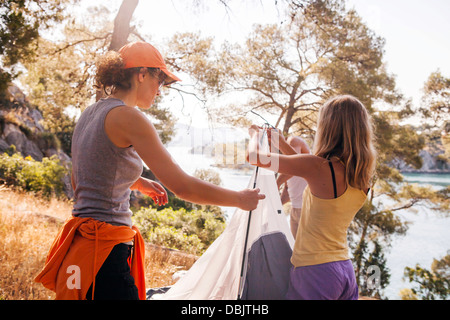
<point x="334" y="179"/>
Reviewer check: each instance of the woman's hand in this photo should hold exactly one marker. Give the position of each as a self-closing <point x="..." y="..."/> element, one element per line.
<point x="152" y="189"/>
<point x="253" y="130"/>
<point x="249" y="199"/>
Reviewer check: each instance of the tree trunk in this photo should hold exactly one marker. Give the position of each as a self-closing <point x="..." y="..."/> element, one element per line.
<point x="122" y="24"/>
<point x="360" y="250"/>
<point x="121" y="31"/>
<point x="288" y="121"/>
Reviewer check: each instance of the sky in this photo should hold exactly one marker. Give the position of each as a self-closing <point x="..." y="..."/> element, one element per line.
<point x="417" y="32"/>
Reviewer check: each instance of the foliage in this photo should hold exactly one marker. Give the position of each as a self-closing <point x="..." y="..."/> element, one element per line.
<point x="60" y="76"/>
<point x="208" y="175"/>
<point x="173" y="202"/>
<point x="436" y="100"/>
<point x="163" y="120"/>
<point x="375" y="258"/>
<point x="53" y="86"/>
<point x="369" y="235"/>
<point x="375" y="225"/>
<point x="189" y="231"/>
<point x="28" y="174"/>
<point x="430" y="284"/>
<point x="213" y="177"/>
<point x="436" y="107"/>
<point x="289" y="70"/>
<point x="21" y="21"/>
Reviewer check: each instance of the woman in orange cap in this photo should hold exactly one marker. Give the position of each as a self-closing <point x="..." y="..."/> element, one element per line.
<point x="89" y="257"/>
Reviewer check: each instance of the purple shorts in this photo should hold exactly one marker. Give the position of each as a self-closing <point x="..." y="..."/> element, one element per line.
<point x="327" y="281"/>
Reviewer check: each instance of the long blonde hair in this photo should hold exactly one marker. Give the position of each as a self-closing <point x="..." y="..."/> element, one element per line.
<point x="344" y="130"/>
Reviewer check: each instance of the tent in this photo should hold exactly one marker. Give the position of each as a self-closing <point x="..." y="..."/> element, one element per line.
<point x="250" y="260"/>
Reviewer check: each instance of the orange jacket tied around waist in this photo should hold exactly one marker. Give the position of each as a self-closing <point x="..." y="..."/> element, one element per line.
<point x="79" y="251"/>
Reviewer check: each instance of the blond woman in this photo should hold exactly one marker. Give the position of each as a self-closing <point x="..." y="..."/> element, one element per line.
<point x="338" y="173"/>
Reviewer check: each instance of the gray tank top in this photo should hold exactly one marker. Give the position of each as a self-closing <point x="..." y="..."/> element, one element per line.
<point x="103" y="173"/>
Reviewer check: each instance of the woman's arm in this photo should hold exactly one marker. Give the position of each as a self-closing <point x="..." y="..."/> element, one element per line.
<point x="127" y="126"/>
<point x="293" y="164"/>
<point x="284" y="197"/>
<point x="282" y="178"/>
<point x="277" y="140"/>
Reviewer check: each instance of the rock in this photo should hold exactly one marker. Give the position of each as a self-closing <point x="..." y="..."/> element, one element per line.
<point x="431" y="163"/>
<point x="68" y="190"/>
<point x="433" y="160"/>
<point x="13" y="135"/>
<point x="65" y="160"/>
<point x="17" y="95"/>
<point x="3" y="146"/>
<point x="36" y="116"/>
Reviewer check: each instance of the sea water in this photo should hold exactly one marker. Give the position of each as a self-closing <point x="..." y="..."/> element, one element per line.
<point x="427" y="238"/>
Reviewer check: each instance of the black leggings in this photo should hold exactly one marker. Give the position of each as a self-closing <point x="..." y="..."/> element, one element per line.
<point x="113" y="280"/>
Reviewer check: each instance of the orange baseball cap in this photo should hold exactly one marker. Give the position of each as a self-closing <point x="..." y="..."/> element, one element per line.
<point x="142" y="54"/>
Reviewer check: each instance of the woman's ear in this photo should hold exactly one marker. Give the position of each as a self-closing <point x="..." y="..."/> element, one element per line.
<point x="141" y="74"/>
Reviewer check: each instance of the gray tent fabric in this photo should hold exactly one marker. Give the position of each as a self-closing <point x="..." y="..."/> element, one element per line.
<point x="216" y="275"/>
<point x="267" y="275"/>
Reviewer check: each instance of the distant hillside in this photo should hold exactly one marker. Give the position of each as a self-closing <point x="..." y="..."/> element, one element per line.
<point x="190" y="136"/>
<point x="433" y="160"/>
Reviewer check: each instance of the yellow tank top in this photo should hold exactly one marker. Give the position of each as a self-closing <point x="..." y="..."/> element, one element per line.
<point x="322" y="231"/>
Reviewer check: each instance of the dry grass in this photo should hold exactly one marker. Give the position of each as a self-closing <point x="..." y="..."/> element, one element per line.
<point x="28" y="226"/>
<point x="162" y="263"/>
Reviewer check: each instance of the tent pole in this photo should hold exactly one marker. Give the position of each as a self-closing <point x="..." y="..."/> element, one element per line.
<point x="241" y="283"/>
<point x="244" y="254"/>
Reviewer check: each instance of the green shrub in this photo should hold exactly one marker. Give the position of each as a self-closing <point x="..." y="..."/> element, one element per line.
<point x="45" y="178"/>
<point x="171" y="237"/>
<point x="189" y="231"/>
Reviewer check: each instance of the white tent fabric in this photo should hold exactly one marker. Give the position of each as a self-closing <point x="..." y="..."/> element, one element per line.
<point x="217" y="273"/>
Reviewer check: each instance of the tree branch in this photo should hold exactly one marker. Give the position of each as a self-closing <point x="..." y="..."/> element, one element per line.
<point x="251" y="88"/>
<point x="180" y="91"/>
<point x="71" y="44"/>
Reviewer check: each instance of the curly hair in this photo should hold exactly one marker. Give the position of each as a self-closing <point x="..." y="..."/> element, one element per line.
<point x="111" y="74"/>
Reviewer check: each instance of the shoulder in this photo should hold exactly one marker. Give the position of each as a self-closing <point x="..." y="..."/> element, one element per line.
<point x="315" y="168"/>
<point x="126" y="116"/>
<point x="312" y="159"/>
<point x="123" y="110"/>
<point x="125" y="125"/>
